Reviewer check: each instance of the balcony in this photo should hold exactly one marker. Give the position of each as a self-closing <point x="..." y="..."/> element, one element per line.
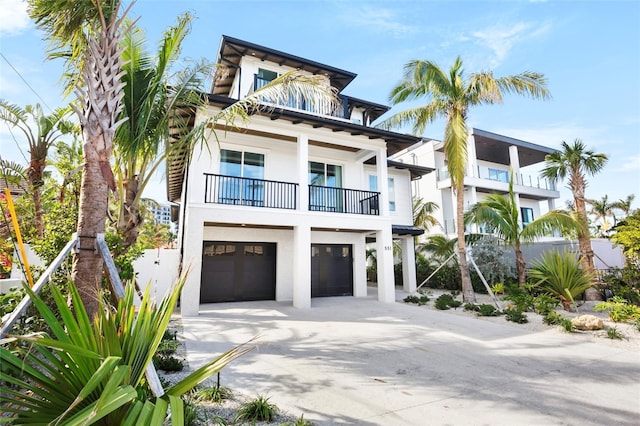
<point x="231" y="190"/>
<point x="500" y="175"/>
<point x="336" y="111"/>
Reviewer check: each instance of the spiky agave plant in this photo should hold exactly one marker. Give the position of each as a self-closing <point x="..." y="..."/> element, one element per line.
<point x="560" y="274"/>
<point x="92" y="372"/>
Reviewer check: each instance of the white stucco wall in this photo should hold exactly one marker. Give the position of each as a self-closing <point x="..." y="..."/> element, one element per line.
<point x="157" y="269"/>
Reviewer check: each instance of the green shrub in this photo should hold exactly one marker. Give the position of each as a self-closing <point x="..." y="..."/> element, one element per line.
<point x="167" y="363"/>
<point x="167" y="347"/>
<point x="559" y="273"/>
<point x="514" y="315"/>
<point x="624" y="283"/>
<point x="486" y="310"/>
<point x="215" y="394"/>
<point x="620" y="310"/>
<point x="544" y="303"/>
<point x="257" y="410"/>
<point x="613" y="333"/>
<point x="418" y="300"/>
<point x="444" y="302"/>
<point x="552" y="318"/>
<point x="471" y="307"/>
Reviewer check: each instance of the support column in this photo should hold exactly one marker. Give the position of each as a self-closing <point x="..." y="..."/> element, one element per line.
<point x="383" y="181"/>
<point x="303" y="172"/>
<point x="408" y="265"/>
<point x="360" y="268"/>
<point x="384" y="256"/>
<point x="302" y="267"/>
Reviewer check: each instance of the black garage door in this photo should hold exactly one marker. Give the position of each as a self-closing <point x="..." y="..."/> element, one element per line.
<point x="233" y="271"/>
<point x="331" y="270"/>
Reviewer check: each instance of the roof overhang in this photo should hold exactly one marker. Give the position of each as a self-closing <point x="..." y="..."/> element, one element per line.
<point x="232" y="50"/>
<point x="495" y="148"/>
<point x="416" y="171"/>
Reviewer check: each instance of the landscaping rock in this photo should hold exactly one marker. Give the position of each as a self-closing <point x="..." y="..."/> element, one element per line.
<point x="587" y="322"/>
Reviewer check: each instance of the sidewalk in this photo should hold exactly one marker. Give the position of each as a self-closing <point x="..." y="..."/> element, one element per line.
<point x="358" y="361"/>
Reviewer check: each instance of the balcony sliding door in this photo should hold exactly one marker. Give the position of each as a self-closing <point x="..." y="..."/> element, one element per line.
<point x="243" y="178"/>
<point x="325" y="181"/>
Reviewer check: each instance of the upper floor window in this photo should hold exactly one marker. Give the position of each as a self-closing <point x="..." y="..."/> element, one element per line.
<point x="499" y="175"/>
<point x="243" y="183"/>
<point x="264" y="76"/>
<point x="373" y="186"/>
<point x="527" y="215"/>
<point x="323" y="177"/>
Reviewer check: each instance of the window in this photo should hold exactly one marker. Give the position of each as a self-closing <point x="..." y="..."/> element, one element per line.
<point x="373" y="186"/>
<point x="243" y="183"/>
<point x="499" y="175"/>
<point x="527" y="215"/>
<point x="322" y="178"/>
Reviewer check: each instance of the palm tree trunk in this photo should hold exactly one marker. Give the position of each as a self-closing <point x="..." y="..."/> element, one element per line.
<point x="92" y="215"/>
<point x="100" y="105"/>
<point x="130" y="219"/>
<point x="520" y="267"/>
<point x="586" y="252"/>
<point x="35" y="175"/>
<point x="468" y="295"/>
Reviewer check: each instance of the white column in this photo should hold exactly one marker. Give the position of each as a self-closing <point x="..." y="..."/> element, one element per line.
<point x="514" y="162"/>
<point x="360" y="268"/>
<point x="384" y="256"/>
<point x="192" y="262"/>
<point x="303" y="172"/>
<point x="551" y="203"/>
<point x="302" y="266"/>
<point x="383" y="181"/>
<point x="408" y="264"/>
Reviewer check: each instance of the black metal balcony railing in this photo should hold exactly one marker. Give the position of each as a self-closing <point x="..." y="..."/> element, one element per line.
<point x="342" y="200"/>
<point x="221" y="189"/>
<point x="340" y="110"/>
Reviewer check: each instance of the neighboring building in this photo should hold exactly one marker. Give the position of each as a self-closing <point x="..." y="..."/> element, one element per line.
<point x="491" y="159"/>
<point x="161" y="213"/>
<point x="282" y="206"/>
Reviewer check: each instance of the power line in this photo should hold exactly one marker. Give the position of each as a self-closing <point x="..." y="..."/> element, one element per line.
<point x="27" y="83"/>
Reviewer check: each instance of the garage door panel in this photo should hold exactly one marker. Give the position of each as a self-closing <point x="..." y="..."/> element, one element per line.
<point x="238" y="271"/>
<point x="331" y="270"/>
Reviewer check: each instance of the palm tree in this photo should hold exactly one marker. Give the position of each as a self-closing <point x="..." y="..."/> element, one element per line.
<point x="440" y="247"/>
<point x="500" y="214"/>
<point x="451" y="95"/>
<point x="88" y="34"/>
<point x="575" y="161"/>
<point x="601" y="210"/>
<point x="40" y="131"/>
<point x="423" y="213"/>
<point x="624" y="205"/>
<point x="151" y="99"/>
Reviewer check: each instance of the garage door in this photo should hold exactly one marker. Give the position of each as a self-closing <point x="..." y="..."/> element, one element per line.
<point x="331" y="270"/>
<point x="234" y="271"/>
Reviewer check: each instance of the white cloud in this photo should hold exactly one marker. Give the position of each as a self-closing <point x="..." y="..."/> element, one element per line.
<point x="381" y="20"/>
<point x="632" y="163"/>
<point x="501" y="38"/>
<point x="13" y="17"/>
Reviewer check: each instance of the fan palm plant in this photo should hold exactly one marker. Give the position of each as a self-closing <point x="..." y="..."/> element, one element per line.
<point x="93" y="371"/>
<point x="560" y="274"/>
<point x="451" y="95"/>
<point x="501" y="216"/>
<point x="40" y="131"/>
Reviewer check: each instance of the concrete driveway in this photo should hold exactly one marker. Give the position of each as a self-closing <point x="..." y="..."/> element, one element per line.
<point x="358" y="361"/>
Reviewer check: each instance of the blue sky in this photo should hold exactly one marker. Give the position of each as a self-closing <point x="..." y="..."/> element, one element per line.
<point x="588" y="50"/>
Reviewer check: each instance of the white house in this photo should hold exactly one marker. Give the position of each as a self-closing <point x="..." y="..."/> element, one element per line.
<point x="491" y="160"/>
<point x="281" y="207"/>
